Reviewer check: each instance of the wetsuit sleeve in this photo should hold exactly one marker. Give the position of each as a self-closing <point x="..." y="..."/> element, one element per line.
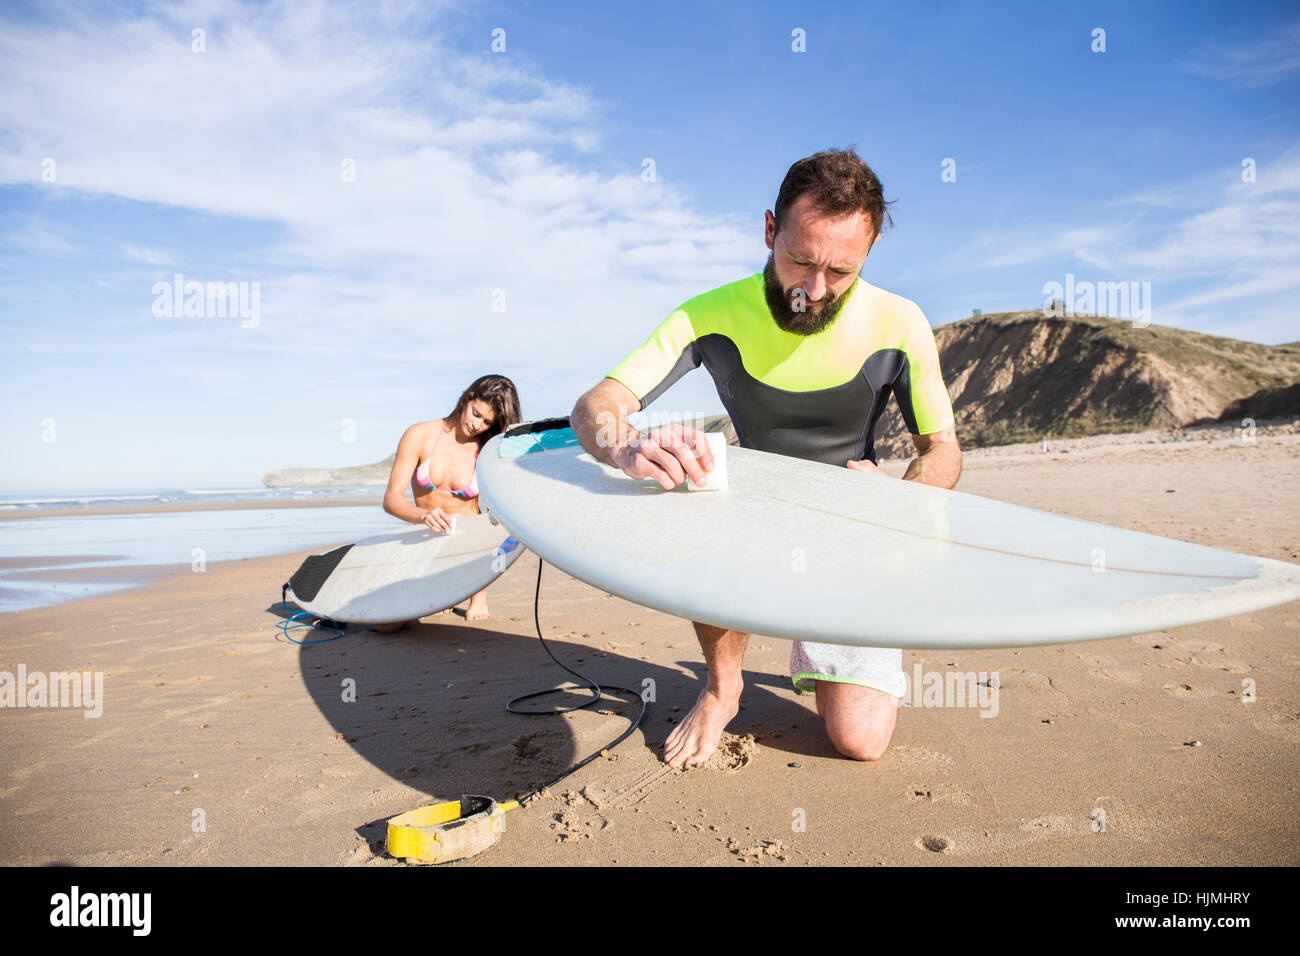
<point x="665" y="357"/>
<point x="922" y="397"/>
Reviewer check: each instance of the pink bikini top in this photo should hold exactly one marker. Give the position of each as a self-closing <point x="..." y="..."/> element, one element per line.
<point x="422" y="475"/>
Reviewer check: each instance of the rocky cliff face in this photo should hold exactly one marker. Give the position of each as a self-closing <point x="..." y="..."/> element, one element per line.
<point x="1020" y="376"/>
<point x="375" y="474"/>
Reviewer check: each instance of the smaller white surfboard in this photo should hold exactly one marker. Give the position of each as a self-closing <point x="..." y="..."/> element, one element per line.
<point x="404" y="575"/>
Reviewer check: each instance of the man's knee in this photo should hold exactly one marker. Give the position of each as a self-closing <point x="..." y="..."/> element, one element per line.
<point x="860" y="743"/>
<point x="860" y="721"/>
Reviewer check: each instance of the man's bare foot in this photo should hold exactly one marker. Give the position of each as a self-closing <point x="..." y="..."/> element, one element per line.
<point x="696" y="737"/>
<point x="394" y="626"/>
<point x="477" y="609"/>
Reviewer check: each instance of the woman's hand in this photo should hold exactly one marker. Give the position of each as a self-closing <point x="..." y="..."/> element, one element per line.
<point x="438" y="520"/>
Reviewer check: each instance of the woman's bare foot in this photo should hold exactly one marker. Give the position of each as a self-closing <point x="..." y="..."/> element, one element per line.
<point x="696" y="737"/>
<point x="478" y="608"/>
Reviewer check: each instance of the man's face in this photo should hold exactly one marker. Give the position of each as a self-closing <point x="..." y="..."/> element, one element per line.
<point x="814" y="260"/>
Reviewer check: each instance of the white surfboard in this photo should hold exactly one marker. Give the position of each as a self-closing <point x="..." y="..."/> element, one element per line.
<point x="803" y="550"/>
<point x="406" y="574"/>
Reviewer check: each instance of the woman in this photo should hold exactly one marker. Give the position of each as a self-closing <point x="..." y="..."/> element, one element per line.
<point x="436" y="459"/>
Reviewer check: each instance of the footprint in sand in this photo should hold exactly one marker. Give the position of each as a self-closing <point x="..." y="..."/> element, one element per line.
<point x="1181" y="690"/>
<point x="733" y="753"/>
<point x="979" y="840"/>
<point x="934" y="844"/>
<point x="526" y="746"/>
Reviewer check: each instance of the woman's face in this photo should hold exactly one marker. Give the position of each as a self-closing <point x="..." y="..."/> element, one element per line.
<point x="477" y="417"/>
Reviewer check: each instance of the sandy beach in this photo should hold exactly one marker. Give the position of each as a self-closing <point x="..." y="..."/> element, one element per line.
<point x="220" y="743"/>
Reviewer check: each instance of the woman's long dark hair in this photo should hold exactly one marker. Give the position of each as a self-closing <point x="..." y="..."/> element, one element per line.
<point x="499" y="392"/>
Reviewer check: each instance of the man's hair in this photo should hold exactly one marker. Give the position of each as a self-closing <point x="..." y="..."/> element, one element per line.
<point x="499" y="392"/>
<point x="839" y="183"/>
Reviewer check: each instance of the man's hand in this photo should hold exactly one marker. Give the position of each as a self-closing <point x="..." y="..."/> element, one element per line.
<point x="865" y="464"/>
<point x="668" y="455"/>
<point x="938" y="462"/>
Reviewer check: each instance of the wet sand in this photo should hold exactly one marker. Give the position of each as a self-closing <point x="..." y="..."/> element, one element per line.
<point x="190" y="506"/>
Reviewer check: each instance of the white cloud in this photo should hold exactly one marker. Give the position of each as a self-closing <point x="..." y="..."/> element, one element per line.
<point x="1226" y="228"/>
<point x="1208" y="240"/>
<point x="26" y="233"/>
<point x="1259" y="63"/>
<point x="458" y="190"/>
<point x="148" y="255"/>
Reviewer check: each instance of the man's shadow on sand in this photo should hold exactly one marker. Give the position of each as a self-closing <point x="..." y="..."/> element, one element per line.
<point x="427" y="705"/>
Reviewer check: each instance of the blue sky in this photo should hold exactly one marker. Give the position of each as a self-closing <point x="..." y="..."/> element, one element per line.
<point x="486" y="178"/>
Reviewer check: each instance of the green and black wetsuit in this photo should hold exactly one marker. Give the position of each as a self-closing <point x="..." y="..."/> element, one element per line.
<point x="816" y="397"/>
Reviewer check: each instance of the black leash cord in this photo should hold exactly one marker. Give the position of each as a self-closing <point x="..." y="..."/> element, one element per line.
<point x="597" y="692"/>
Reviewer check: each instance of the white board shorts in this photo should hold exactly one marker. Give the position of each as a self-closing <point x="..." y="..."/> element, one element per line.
<point x="880" y="668"/>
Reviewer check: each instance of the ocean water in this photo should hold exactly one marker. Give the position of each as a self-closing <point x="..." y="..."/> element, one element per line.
<point x="92" y="541"/>
<point x="38" y="502"/>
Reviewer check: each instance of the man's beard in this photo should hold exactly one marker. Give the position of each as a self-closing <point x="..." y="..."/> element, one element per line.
<point x="815" y="316"/>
